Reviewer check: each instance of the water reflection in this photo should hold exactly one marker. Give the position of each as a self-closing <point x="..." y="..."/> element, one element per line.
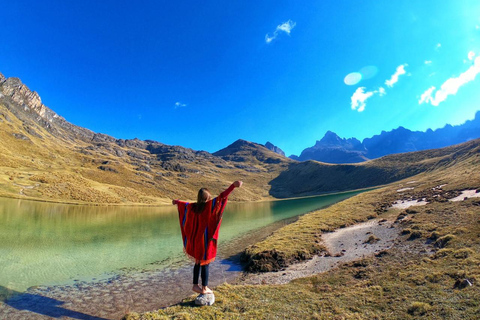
<point x="44" y="243"/>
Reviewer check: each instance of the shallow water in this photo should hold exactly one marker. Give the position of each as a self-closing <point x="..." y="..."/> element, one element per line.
<point x="45" y="244"/>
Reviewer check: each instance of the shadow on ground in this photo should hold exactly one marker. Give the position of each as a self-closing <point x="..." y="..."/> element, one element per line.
<point x="40" y="304"/>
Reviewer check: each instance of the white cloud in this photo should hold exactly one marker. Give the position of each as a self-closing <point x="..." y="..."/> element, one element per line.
<point x="359" y="97"/>
<point x="381" y="92"/>
<point x="269" y="39"/>
<point x="471" y="55"/>
<point x="438" y="46"/>
<point x="179" y="105"/>
<point x="428" y="62"/>
<point x="426" y="96"/>
<point x="287" y="26"/>
<point x="394" y="79"/>
<point x="284" y="27"/>
<point x="451" y="86"/>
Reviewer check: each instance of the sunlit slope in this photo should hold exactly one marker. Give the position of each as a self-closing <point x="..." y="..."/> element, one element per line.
<point x="42" y="156"/>
<point x="312" y="177"/>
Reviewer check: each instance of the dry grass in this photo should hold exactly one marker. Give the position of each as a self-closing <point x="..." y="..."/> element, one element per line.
<point x="51" y="168"/>
<point x="426" y="277"/>
<point x="112" y="171"/>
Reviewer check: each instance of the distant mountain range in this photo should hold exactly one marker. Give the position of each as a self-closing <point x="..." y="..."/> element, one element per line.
<point x="333" y="149"/>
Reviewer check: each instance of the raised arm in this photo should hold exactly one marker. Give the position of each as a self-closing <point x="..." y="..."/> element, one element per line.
<point x="236" y="184"/>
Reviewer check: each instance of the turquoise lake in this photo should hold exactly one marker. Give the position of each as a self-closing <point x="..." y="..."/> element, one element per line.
<point x="47" y="244"/>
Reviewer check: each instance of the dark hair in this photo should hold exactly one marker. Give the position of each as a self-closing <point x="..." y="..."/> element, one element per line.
<point x="202" y="198"/>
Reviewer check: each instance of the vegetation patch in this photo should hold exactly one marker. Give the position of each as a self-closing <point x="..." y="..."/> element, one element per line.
<point x="372" y="239"/>
<point x="419" y="308"/>
<point x="442" y="242"/>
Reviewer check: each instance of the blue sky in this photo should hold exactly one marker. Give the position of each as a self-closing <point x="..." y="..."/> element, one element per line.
<point x="203" y="74"/>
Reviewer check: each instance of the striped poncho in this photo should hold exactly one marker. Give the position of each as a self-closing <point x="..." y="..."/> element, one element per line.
<point x="200" y="230"/>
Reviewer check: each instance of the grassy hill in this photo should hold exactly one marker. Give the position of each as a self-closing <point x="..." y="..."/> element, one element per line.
<point x="312" y="177"/>
<point x="44" y="157"/>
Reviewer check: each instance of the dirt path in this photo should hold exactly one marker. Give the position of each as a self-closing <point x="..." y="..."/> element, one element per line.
<point x="344" y="245"/>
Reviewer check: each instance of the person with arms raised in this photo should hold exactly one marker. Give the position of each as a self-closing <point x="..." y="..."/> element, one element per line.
<point x="200" y="223"/>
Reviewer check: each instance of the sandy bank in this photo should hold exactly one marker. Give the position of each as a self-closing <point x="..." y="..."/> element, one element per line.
<point x="344" y="245"/>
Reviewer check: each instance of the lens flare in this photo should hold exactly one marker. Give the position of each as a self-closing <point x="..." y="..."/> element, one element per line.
<point x="352" y="78"/>
<point x="368" y="72"/>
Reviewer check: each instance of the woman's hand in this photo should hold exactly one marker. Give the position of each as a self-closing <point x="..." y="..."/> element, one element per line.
<point x="238" y="184"/>
<point x="174" y="201"/>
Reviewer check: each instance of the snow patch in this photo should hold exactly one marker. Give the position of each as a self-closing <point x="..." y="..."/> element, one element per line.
<point x="404" y="204"/>
<point x="466" y="194"/>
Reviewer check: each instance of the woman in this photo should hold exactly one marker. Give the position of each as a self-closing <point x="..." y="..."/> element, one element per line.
<point x="200" y="222"/>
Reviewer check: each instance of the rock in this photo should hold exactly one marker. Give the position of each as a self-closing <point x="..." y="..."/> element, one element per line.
<point x="173" y="167"/>
<point x="274" y="148"/>
<point x="103" y="138"/>
<point x="21" y="136"/>
<point x="119" y="153"/>
<point x="460" y="284"/>
<point x="27" y="106"/>
<point x="206" y="299"/>
<point x="108" y="169"/>
<point x="135" y="143"/>
<point x="136" y="155"/>
<point x="31" y="131"/>
<point x="145" y="168"/>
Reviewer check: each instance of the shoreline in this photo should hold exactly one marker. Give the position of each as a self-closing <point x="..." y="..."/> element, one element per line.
<point x="168" y="203"/>
<point x="343" y="245"/>
<point x="138" y="290"/>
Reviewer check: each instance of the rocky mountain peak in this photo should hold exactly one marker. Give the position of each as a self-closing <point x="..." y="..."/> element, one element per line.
<point x="30" y="100"/>
<point x="28" y="107"/>
<point x="332" y="140"/>
<point x="274" y="148"/>
<point x="240" y="144"/>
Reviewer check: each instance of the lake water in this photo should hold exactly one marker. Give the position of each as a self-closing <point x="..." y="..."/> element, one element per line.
<point x="48" y="244"/>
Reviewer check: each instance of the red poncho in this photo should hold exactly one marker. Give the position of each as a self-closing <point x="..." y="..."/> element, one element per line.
<point x="200" y="230"/>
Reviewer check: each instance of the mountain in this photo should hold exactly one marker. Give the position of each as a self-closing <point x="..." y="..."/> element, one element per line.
<point x="312" y="177"/>
<point x="246" y="151"/>
<point x="333" y="149"/>
<point x="274" y="148"/>
<point x="44" y="157"/>
<point x="403" y="140"/>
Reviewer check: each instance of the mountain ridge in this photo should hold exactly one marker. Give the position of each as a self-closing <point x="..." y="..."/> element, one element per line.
<point x="333" y="149"/>
<point x="44" y="157"/>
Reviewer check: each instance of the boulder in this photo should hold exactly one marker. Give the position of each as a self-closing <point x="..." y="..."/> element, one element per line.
<point x="206" y="299"/>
